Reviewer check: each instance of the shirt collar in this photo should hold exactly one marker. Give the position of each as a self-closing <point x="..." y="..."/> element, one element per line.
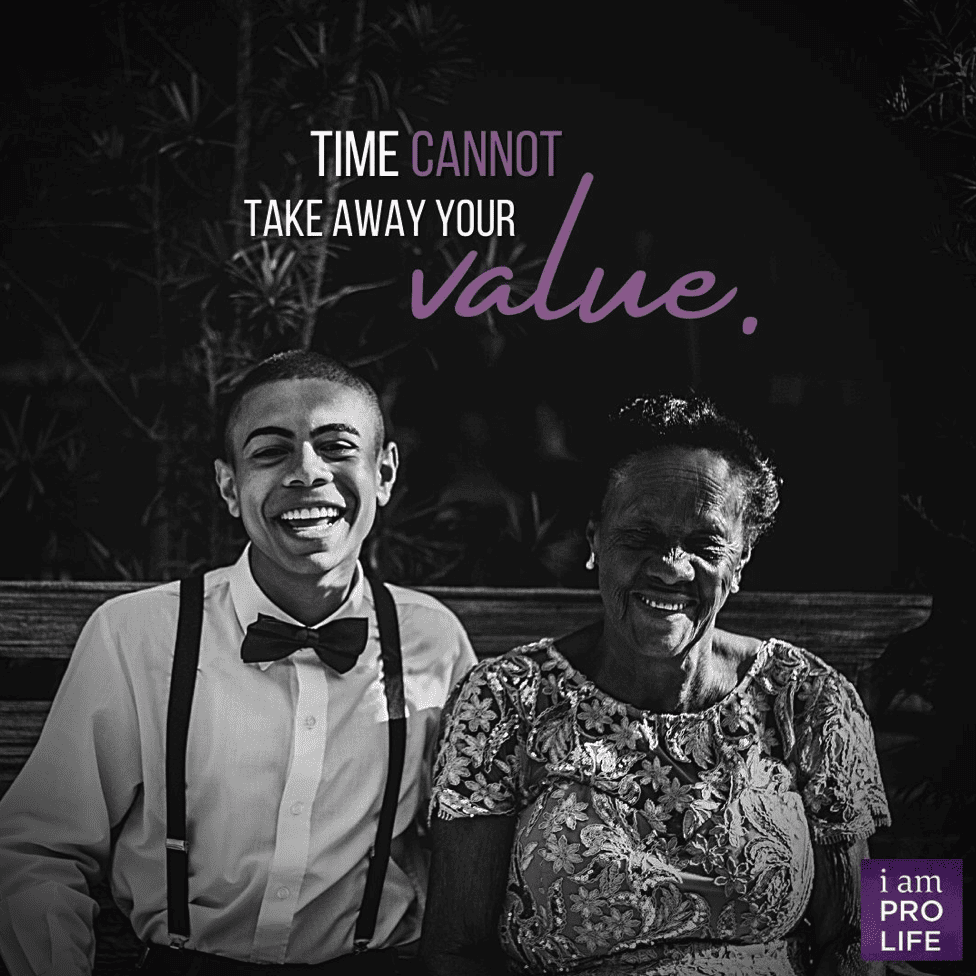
<point x="250" y="600"/>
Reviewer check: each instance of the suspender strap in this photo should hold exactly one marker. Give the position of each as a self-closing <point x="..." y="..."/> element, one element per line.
<point x="389" y="626"/>
<point x="181" y="685"/>
<point x="182" y="682"/>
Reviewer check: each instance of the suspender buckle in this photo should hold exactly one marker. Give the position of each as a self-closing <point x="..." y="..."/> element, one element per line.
<point x="359" y="946"/>
<point x="172" y="844"/>
<point x="177" y="941"/>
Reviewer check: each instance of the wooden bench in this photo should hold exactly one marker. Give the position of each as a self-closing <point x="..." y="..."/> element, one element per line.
<point x="40" y="621"/>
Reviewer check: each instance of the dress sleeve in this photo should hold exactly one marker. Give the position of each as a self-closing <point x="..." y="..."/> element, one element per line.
<point x="478" y="770"/>
<point x="839" y="776"/>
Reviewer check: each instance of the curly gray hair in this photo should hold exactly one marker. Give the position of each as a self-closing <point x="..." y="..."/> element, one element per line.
<point x="646" y="423"/>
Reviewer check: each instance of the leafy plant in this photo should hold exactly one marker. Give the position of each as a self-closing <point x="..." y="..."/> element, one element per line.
<point x="148" y="208"/>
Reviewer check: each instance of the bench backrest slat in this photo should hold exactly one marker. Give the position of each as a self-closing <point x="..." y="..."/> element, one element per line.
<point x="40" y="621"/>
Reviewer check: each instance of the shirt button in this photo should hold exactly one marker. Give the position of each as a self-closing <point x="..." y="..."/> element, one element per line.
<point x="309" y="721"/>
<point x="282" y="893"/>
<point x="297" y="807"/>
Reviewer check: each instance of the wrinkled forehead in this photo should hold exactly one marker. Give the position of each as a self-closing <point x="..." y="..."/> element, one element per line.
<point x="302" y="405"/>
<point x="677" y="482"/>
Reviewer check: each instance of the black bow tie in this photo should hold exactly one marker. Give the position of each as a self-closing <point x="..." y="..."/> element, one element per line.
<point x="338" y="643"/>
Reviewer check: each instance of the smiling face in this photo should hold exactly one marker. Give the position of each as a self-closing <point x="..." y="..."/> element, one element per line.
<point x="306" y="476"/>
<point x="669" y="544"/>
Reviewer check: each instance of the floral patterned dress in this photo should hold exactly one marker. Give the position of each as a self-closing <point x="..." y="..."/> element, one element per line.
<point x="660" y="844"/>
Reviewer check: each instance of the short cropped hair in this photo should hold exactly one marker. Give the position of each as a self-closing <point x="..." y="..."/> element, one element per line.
<point x="296" y="364"/>
<point x="645" y="424"/>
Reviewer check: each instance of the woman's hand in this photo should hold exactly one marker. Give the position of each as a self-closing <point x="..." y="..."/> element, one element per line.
<point x="835" y="911"/>
<point x="469" y="869"/>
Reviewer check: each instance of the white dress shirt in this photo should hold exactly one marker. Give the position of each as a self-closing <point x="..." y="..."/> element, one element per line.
<point x="286" y="765"/>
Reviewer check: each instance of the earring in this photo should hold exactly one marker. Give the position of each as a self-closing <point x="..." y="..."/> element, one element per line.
<point x="591" y="562"/>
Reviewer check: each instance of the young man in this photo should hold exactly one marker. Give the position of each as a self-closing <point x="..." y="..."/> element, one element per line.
<point x="286" y="757"/>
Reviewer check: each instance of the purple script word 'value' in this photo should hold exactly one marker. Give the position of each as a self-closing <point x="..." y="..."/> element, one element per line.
<point x="691" y="285"/>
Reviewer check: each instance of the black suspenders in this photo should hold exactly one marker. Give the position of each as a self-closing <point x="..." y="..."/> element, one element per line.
<point x="181" y="685"/>
<point x="186" y="656"/>
<point x="386" y="617"/>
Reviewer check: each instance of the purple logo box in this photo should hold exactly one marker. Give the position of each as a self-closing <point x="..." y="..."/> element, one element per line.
<point x="911" y="909"/>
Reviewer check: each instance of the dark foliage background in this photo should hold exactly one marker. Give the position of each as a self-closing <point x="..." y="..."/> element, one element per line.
<point x="813" y="162"/>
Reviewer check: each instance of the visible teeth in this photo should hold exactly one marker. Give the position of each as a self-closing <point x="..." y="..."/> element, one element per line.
<point x="660" y="605"/>
<point x="310" y="513"/>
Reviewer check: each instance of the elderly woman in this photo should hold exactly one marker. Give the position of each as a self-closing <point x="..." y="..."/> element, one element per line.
<point x="652" y="795"/>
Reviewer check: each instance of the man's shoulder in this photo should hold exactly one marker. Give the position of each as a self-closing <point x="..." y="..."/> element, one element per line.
<point x="415" y="602"/>
<point x="430" y="630"/>
<point x="152" y="606"/>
